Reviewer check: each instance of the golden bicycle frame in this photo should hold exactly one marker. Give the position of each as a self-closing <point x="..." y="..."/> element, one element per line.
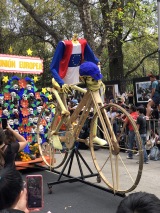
<point x="110" y="160"/>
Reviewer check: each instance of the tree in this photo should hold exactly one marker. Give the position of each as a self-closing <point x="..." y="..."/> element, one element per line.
<point x="111" y="27"/>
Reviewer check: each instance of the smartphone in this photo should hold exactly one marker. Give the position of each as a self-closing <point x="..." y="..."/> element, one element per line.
<point x="34" y="191"/>
<point x="4" y="123"/>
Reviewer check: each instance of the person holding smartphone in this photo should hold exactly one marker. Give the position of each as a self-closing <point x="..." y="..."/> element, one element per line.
<point x="8" y="149"/>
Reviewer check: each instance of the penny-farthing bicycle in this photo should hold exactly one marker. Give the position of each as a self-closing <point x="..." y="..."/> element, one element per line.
<point x="117" y="172"/>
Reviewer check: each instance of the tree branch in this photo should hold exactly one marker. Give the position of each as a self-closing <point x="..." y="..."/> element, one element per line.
<point x="141" y="61"/>
<point x="135" y="38"/>
<point x="74" y="3"/>
<point x="130" y="28"/>
<point x="37" y="19"/>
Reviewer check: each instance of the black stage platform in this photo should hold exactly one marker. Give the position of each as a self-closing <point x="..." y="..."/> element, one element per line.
<point x="75" y="197"/>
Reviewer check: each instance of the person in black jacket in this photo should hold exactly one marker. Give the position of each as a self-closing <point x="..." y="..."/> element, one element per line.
<point x="8" y="148"/>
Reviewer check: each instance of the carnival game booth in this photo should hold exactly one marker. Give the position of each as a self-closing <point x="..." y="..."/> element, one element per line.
<point x="21" y="103"/>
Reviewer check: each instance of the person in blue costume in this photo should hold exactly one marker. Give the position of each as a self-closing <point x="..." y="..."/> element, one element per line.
<point x="69" y="55"/>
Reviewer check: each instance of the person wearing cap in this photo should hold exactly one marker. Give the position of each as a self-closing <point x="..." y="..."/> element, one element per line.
<point x="74" y="101"/>
<point x="155" y="95"/>
<point x="72" y="105"/>
<point x="90" y="74"/>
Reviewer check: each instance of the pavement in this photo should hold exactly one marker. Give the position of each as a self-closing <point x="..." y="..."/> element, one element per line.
<point x="77" y="197"/>
<point x="74" y="197"/>
<point x="149" y="181"/>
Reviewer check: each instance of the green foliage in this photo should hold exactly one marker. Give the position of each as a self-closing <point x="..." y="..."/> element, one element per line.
<point x="130" y="26"/>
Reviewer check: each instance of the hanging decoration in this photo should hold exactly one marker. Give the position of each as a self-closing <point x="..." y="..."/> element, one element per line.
<point x="29" y="51"/>
<point x="35" y="79"/>
<point x="10" y="49"/>
<point x="44" y="90"/>
<point x="5" y="79"/>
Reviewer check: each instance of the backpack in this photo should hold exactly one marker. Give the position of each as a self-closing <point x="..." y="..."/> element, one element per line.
<point x="154" y="153"/>
<point x="158" y="86"/>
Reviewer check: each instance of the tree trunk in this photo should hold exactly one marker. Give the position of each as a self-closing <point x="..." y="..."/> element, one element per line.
<point x="116" y="62"/>
<point x="115" y="59"/>
<point x="86" y="20"/>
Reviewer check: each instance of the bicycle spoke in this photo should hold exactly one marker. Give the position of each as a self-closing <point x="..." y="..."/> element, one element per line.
<point x="111" y="163"/>
<point x="126" y="169"/>
<point x="104" y="164"/>
<point x="117" y="171"/>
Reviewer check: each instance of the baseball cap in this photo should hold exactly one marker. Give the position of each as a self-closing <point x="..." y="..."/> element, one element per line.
<point x="90" y="69"/>
<point x="74" y="101"/>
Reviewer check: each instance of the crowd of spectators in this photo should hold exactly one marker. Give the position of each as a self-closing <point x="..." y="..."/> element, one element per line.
<point x="123" y="129"/>
<point x="148" y="129"/>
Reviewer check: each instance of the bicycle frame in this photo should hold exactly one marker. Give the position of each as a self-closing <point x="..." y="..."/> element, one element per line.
<point x="64" y="139"/>
<point x="89" y="100"/>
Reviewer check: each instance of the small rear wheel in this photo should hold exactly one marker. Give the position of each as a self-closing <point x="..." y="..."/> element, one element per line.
<point x="53" y="158"/>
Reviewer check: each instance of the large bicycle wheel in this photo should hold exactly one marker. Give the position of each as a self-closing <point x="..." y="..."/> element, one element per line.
<point x="52" y="157"/>
<point x="111" y="162"/>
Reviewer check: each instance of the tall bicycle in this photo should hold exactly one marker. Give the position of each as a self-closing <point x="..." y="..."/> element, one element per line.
<point x="114" y="169"/>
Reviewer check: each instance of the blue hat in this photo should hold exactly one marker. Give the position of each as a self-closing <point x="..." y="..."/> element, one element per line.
<point x="90" y="69"/>
<point x="74" y="101"/>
